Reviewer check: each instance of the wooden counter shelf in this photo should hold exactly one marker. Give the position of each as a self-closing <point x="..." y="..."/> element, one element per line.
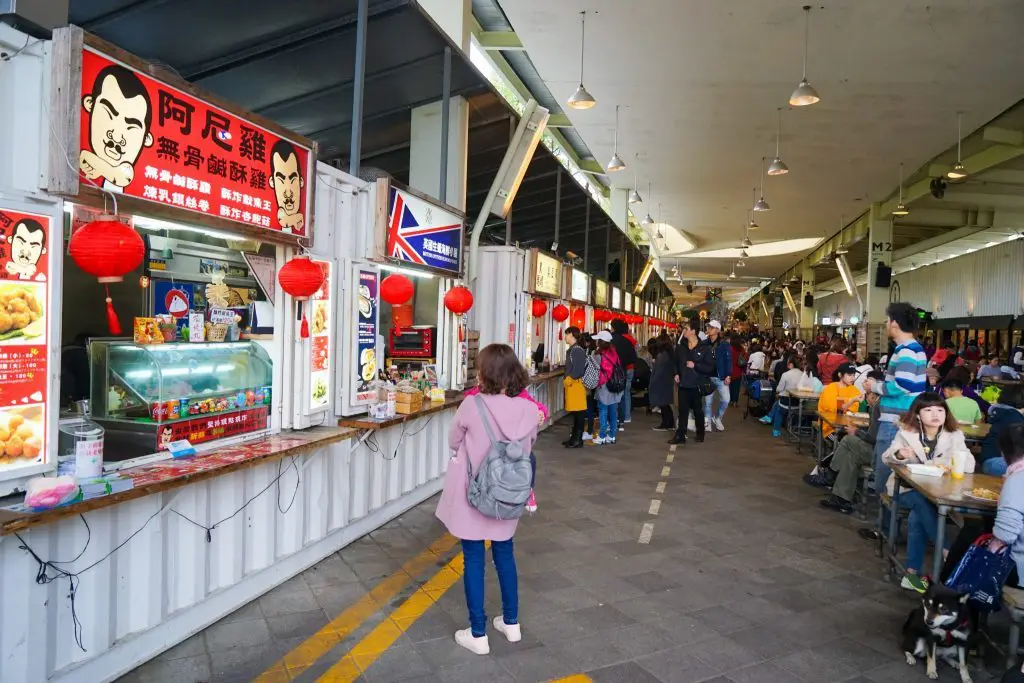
<point x="267" y="449"/>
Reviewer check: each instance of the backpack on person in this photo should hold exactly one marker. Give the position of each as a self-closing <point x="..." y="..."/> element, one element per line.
<point x="592" y="372"/>
<point x="501" y="486"/>
<point x="616" y="383"/>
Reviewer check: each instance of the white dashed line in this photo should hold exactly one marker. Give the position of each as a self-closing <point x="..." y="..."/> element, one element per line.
<point x="661" y="487"/>
<point x="666" y="470"/>
<point x="655" y="506"/>
<point x="646" y="533"/>
<point x="670" y="458"/>
<point x="672" y="449"/>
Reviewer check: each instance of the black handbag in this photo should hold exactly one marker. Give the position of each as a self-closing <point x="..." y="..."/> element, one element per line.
<point x="705" y="386"/>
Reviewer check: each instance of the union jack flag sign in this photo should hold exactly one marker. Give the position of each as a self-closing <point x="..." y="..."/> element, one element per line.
<point x="421" y="233"/>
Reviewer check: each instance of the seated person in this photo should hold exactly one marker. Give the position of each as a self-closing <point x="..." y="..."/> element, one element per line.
<point x="991" y="368"/>
<point x="1001" y="416"/>
<point x="928" y="433"/>
<point x="964" y="409"/>
<point x="757" y="361"/>
<point x="967" y="380"/>
<point x="838" y="396"/>
<point x="790" y="379"/>
<point x="852" y="454"/>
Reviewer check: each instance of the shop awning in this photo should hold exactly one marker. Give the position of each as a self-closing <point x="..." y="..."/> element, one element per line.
<point x="985" y="322"/>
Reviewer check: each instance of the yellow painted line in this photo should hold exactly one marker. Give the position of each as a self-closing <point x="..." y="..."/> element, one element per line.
<point x="368" y="650"/>
<point x="575" y="678"/>
<point x="303" y="655"/>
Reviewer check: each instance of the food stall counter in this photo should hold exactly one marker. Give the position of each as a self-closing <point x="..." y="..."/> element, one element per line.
<point x="429" y="408"/>
<point x="165" y="475"/>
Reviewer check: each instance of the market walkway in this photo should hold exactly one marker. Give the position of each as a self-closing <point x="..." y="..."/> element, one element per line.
<point x="744" y="580"/>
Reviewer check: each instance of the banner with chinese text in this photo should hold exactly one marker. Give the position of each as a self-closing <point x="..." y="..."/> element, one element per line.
<point x="421" y="233"/>
<point x="24" y="329"/>
<point x="320" y="323"/>
<point x="210" y="427"/>
<point x="146" y="139"/>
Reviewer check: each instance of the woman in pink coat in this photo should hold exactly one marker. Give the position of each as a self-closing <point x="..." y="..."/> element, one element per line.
<point x="501" y="378"/>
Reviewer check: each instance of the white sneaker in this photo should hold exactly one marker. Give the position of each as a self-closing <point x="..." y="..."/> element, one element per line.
<point x="628" y="420"/>
<point x="691" y="425"/>
<point x="718" y="424"/>
<point x="621" y="428"/>
<point x="478" y="646"/>
<point x="598" y="441"/>
<point x="709" y="426"/>
<point x="611" y="440"/>
<point x="587" y="436"/>
<point x="511" y="631"/>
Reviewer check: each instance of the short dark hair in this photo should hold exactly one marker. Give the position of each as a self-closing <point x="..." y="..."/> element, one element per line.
<point x="619" y="326"/>
<point x="903" y="314"/>
<point x="128" y="83"/>
<point x="500" y="371"/>
<point x="1011" y="443"/>
<point x="574" y="331"/>
<point x="953" y="383"/>
<point x="283" y="149"/>
<point x="877" y="375"/>
<point x="664" y="344"/>
<point x="31" y="225"/>
<point x="928" y="399"/>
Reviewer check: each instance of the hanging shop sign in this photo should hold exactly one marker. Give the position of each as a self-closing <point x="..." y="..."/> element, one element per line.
<point x="423" y="233"/>
<point x="24" y="350"/>
<point x="163" y="141"/>
<point x="600" y="293"/>
<point x="580" y="286"/>
<point x="366" y="288"/>
<point x="616" y="298"/>
<point x="320" y="324"/>
<point x="545" y="274"/>
<point x="627" y="304"/>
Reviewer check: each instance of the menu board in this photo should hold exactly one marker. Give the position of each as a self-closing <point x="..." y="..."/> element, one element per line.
<point x="422" y="233"/>
<point x="24" y="323"/>
<point x="636" y="305"/>
<point x="627" y="304"/>
<point x="580" y="286"/>
<point x="547" y="274"/>
<point x="147" y="139"/>
<point x="320" y="325"/>
<point x="616" y="298"/>
<point x="367" y="285"/>
<point x="600" y="293"/>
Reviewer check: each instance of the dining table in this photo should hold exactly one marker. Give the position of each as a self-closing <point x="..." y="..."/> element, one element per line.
<point x="801" y="397"/>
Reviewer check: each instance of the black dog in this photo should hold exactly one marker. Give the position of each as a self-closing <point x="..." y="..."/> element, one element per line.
<point x="941" y="627"/>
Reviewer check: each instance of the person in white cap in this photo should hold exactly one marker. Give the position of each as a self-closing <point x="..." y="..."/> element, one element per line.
<point x="721" y="377"/>
<point x="610" y="385"/>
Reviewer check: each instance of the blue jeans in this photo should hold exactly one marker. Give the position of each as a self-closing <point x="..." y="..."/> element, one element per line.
<point x="722" y="391"/>
<point x="886" y="435"/>
<point x="609" y="416"/>
<point x="994" y="466"/>
<point x="921" y="526"/>
<point x="473" y="579"/>
<point x="626" y="404"/>
<point x="778" y="415"/>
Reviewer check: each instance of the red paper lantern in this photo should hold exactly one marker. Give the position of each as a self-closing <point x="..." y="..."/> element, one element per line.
<point x="579" y="318"/>
<point x="539" y="308"/>
<point x="560" y="313"/>
<point x="396" y="289"/>
<point x="108" y="250"/>
<point x="301" y="278"/>
<point x="458" y="300"/>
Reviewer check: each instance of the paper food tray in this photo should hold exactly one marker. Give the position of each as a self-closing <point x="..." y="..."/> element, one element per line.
<point x="926" y="470"/>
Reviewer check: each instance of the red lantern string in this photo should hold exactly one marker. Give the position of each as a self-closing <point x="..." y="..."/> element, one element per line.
<point x="108" y="250"/>
<point x="458" y="300"/>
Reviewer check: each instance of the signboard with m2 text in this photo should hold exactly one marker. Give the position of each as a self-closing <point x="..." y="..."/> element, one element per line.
<point x="143" y="138"/>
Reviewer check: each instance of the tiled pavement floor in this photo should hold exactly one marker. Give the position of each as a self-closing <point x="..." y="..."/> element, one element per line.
<point x="745" y="580"/>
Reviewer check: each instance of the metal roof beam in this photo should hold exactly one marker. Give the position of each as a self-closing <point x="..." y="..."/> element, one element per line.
<point x="121" y="13"/>
<point x="499" y="40"/>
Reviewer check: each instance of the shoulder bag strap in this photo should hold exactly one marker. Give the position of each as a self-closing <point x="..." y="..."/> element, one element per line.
<point x="485" y="417"/>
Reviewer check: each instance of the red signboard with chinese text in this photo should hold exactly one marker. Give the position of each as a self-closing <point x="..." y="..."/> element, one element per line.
<point x="146" y="139"/>
<point x="24" y="327"/>
<point x="210" y="427"/>
<point x="320" y="324"/>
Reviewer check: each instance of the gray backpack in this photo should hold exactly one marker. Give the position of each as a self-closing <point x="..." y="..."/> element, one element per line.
<point x="501" y="486"/>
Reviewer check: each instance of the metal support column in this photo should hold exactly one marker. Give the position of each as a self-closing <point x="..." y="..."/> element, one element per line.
<point x="607" y="252"/>
<point x="355" y="151"/>
<point x="558" y="204"/>
<point x="586" y="237"/>
<point x="508" y="216"/>
<point x="446" y="103"/>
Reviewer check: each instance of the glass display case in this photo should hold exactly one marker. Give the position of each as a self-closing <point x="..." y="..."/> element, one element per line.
<point x="147" y="396"/>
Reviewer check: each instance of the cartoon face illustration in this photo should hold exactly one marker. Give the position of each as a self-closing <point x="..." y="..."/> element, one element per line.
<point x="28" y="243"/>
<point x="166" y="437"/>
<point x="119" y="125"/>
<point x="286" y="177"/>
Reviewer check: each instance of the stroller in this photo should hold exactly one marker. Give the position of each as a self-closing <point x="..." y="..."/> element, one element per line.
<point x="760" y="395"/>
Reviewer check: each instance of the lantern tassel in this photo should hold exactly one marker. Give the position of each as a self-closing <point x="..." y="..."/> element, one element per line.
<point x="304" y="327"/>
<point x="112" y="322"/>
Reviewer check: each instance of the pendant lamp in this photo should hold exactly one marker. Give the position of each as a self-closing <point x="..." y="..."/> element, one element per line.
<point x="648" y="220"/>
<point x="634" y="196"/>
<point x="959" y="171"/>
<point x="616" y="163"/>
<point x="778" y="166"/>
<point x="805" y="94"/>
<point x="901" y="208"/>
<point x="581" y="99"/>
<point x="732" y="273"/>
<point x="752" y="225"/>
<point x="761" y="204"/>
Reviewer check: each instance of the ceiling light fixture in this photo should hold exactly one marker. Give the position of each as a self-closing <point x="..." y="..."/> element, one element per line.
<point x="743" y="253"/>
<point x="901" y="208"/>
<point x="761" y="204"/>
<point x="647" y="219"/>
<point x="616" y="163"/>
<point x="752" y="225"/>
<point x="634" y="196"/>
<point x="581" y="99"/>
<point x="732" y="273"/>
<point x="959" y="171"/>
<point x="741" y="264"/>
<point x="746" y="242"/>
<point x="805" y="94"/>
<point x="778" y="166"/>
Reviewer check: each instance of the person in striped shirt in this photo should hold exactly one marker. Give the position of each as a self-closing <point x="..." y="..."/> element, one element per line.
<point x="905" y="379"/>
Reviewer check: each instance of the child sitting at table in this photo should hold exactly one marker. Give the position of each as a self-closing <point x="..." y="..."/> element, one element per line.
<point x="928" y="434"/>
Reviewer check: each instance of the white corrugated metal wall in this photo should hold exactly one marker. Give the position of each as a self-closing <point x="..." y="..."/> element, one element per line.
<point x="168" y="582"/>
<point x="987" y="282"/>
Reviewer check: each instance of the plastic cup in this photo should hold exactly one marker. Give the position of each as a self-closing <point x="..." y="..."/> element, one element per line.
<point x="959" y="460"/>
